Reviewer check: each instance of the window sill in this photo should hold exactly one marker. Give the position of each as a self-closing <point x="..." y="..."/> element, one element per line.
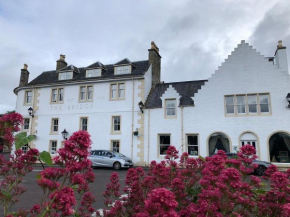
<point x="85" y="101"/>
<point x="249" y="115"/>
<point x="170" y="117"/>
<point x="117" y="99"/>
<point x="56" y="102"/>
<point x="116" y="133"/>
<point x="53" y="133"/>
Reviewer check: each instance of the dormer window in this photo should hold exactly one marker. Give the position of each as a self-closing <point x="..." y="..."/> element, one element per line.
<point x="120" y="70"/>
<point x="93" y="73"/>
<point x="65" y="75"/>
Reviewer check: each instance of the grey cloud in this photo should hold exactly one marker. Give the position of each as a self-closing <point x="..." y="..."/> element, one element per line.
<point x="194" y="37"/>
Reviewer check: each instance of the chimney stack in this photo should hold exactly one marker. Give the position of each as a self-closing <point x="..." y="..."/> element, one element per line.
<point x="24" y="76"/>
<point x="155" y="61"/>
<point x="61" y="63"/>
<point x="281" y="57"/>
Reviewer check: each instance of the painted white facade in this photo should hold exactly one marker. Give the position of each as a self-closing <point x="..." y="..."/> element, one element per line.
<point x="244" y="72"/>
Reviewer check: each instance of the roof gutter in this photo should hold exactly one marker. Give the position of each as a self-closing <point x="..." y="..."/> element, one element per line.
<point x="77" y="82"/>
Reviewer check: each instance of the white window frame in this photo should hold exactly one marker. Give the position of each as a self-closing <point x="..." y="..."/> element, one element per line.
<point x="25" y="148"/>
<point x="86" y="93"/>
<point x="167" y="108"/>
<point x="65" y="75"/>
<point x="90" y="73"/>
<point x="52" y="149"/>
<point x="159" y="143"/>
<point x="122" y="70"/>
<point x="59" y="96"/>
<point x="26" y="97"/>
<point x="117" y="91"/>
<point x="54" y="125"/>
<point x="192" y="145"/>
<point x="113" y="124"/>
<point x="25" y="124"/>
<point x="247" y="110"/>
<point x="84" y="127"/>
<point x="117" y="149"/>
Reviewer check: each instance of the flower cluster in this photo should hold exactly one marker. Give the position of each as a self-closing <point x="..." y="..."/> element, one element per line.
<point x="214" y="186"/>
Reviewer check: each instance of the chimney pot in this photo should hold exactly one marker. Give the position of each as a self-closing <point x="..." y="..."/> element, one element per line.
<point x="280" y="45"/>
<point x="25" y="66"/>
<point x="61" y="63"/>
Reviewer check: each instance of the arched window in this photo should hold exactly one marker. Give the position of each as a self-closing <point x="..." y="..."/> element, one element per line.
<point x="249" y="139"/>
<point x="279" y="147"/>
<point x="218" y="141"/>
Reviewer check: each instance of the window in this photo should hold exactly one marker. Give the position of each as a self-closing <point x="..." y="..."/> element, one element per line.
<point x="26" y="123"/>
<point x="65" y="75"/>
<point x="230" y="105"/>
<point x="54" y="125"/>
<point x="247" y="104"/>
<point x="24" y="149"/>
<point x="241" y="105"/>
<point x="115" y="145"/>
<point x="252" y="104"/>
<point x="170" y="107"/>
<point x="28" y="97"/>
<point x="84" y="124"/>
<point x="86" y="93"/>
<point x="117" y="91"/>
<point x="120" y="70"/>
<point x="93" y="73"/>
<point x="53" y="147"/>
<point x="192" y="145"/>
<point x="164" y="143"/>
<point x="249" y="139"/>
<point x="116" y="124"/>
<point x="264" y="103"/>
<point x="57" y="95"/>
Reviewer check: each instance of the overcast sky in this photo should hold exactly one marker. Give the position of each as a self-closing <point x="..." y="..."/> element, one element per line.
<point x="194" y="37"/>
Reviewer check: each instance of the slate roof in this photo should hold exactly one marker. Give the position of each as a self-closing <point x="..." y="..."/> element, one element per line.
<point x="52" y="76"/>
<point x="70" y="68"/>
<point x="97" y="65"/>
<point x="124" y="61"/>
<point x="186" y="89"/>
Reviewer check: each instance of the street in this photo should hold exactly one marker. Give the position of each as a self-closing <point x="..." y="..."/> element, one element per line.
<point x="34" y="193"/>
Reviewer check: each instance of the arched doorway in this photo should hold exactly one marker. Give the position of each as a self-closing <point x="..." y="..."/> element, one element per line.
<point x="218" y="141"/>
<point x="249" y="138"/>
<point x="279" y="147"/>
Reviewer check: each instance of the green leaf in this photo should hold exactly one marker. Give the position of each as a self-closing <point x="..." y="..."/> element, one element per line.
<point x="6" y="194"/>
<point x="202" y="158"/>
<point x="22" y="139"/>
<point x="38" y="176"/>
<point x="46" y="158"/>
<point x="75" y="187"/>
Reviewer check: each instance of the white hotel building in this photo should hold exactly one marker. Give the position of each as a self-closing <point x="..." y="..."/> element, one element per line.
<point x="125" y="107"/>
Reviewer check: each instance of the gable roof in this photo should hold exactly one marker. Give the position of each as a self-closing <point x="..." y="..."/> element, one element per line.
<point x="124" y="62"/>
<point x="70" y="68"/>
<point x="186" y="89"/>
<point x="52" y="76"/>
<point x="97" y="65"/>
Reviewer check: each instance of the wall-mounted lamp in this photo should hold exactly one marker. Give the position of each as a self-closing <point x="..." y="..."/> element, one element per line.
<point x="136" y="132"/>
<point x="288" y="99"/>
<point x="141" y="106"/>
<point x="64" y="134"/>
<point x="30" y="112"/>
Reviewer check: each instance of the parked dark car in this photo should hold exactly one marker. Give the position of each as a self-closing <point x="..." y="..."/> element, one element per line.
<point x="107" y="158"/>
<point x="262" y="165"/>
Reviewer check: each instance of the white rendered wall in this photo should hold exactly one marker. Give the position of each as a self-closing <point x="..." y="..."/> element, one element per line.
<point x="99" y="113"/>
<point x="244" y="72"/>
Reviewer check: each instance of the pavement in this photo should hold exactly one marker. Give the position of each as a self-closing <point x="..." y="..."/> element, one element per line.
<point x="34" y="193"/>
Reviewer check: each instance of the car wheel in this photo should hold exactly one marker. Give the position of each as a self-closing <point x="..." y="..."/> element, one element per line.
<point x="117" y="166"/>
<point x="260" y="171"/>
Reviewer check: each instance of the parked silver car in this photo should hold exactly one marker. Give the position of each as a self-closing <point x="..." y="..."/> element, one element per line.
<point x="106" y="158"/>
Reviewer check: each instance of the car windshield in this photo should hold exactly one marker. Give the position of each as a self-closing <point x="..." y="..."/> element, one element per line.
<point x="117" y="154"/>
